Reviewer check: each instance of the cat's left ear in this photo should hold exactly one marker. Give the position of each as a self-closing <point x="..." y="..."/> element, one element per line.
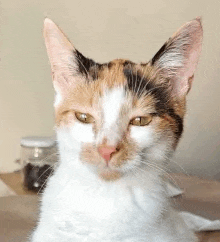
<point x="67" y="63"/>
<point x="177" y="59"/>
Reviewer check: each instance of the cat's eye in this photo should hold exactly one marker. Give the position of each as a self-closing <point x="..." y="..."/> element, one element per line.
<point x="84" y="117"/>
<point x="141" y="121"/>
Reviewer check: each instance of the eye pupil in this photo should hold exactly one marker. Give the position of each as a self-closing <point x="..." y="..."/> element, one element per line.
<point x="138" y="119"/>
<point x="84" y="116"/>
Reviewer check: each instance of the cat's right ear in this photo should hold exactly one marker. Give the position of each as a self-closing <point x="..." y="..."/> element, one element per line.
<point x="176" y="61"/>
<point x="68" y="65"/>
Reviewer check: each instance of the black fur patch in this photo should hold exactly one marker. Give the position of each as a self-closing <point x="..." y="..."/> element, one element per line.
<point x="94" y="71"/>
<point x="97" y="67"/>
<point x="84" y="64"/>
<point x="159" y="53"/>
<point x="179" y="122"/>
<point x="128" y="63"/>
<point x="139" y="85"/>
<point x="109" y="65"/>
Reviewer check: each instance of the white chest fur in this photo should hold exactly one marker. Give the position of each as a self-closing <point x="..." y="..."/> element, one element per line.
<point x="78" y="207"/>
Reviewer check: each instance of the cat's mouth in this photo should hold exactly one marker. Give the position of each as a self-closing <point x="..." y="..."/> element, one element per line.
<point x="112" y="165"/>
<point x="108" y="170"/>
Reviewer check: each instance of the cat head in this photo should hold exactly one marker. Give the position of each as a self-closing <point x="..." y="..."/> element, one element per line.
<point x="121" y="116"/>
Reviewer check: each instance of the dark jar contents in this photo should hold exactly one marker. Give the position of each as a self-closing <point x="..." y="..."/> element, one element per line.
<point x="39" y="157"/>
<point x="35" y="177"/>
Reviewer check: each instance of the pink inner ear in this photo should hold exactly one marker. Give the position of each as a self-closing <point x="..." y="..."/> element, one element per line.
<point x="185" y="76"/>
<point x="180" y="55"/>
<point x="192" y="61"/>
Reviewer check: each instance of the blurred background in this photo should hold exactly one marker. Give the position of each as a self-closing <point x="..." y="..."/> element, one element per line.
<point x="104" y="30"/>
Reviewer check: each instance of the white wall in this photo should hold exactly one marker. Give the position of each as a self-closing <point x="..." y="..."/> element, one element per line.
<point x="104" y="30"/>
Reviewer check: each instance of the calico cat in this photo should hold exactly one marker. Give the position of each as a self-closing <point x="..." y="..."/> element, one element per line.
<point x="117" y="125"/>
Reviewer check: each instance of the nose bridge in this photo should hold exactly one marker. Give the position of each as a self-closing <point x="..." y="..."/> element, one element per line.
<point x="109" y="135"/>
<point x="111" y="105"/>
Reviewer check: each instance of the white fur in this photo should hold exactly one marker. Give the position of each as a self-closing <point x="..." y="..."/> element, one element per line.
<point x="58" y="99"/>
<point x="144" y="136"/>
<point x="112" y="102"/>
<point x="171" y="59"/>
<point x="77" y="206"/>
<point x="82" y="132"/>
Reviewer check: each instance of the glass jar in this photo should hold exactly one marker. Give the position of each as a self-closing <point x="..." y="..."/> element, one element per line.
<point x="38" y="157"/>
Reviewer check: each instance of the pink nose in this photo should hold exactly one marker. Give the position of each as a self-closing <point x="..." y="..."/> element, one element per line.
<point x="106" y="151"/>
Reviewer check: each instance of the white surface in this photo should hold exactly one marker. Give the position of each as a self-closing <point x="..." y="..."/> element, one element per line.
<point x="198" y="223"/>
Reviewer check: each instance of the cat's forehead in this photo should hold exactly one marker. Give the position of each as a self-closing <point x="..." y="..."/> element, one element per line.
<point x="114" y="80"/>
<point x="136" y="78"/>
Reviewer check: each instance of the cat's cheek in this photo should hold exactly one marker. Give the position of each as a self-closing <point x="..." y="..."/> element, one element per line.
<point x="143" y="136"/>
<point x="82" y="132"/>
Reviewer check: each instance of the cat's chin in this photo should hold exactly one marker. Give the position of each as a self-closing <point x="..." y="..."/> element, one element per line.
<point x="108" y="174"/>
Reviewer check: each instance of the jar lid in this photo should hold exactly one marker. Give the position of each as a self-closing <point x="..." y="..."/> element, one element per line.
<point x="37" y="141"/>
